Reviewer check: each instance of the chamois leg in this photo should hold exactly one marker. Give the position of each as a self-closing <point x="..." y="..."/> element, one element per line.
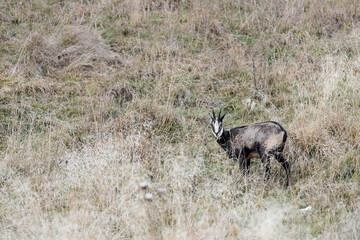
<point x="247" y="165"/>
<point x="285" y="165"/>
<point x="242" y="163"/>
<point x="265" y="159"/>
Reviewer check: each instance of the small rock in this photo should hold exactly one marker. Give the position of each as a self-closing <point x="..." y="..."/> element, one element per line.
<point x="161" y="191"/>
<point x="144" y="185"/>
<point x="304" y="210"/>
<point x="148" y="197"/>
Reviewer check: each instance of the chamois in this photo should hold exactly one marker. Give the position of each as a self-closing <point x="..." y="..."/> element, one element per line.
<point x="263" y="140"/>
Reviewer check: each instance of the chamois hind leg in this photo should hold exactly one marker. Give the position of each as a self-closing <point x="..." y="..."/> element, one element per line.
<point x="247" y="165"/>
<point x="265" y="159"/>
<point x="246" y="162"/>
<point x="285" y="165"/>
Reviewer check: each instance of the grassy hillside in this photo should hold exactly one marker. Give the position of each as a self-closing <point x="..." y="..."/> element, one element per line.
<point x="99" y="96"/>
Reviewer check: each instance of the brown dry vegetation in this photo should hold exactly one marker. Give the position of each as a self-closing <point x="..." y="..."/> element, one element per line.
<point x="98" y="96"/>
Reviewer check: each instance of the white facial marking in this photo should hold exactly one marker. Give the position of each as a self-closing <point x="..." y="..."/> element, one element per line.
<point x="218" y="129"/>
<point x="216" y="126"/>
<point x="214" y="134"/>
<point x="220" y="133"/>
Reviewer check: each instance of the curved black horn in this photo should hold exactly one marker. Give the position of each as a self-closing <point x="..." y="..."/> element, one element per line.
<point x="222" y="118"/>
<point x="213" y="113"/>
<point x="219" y="114"/>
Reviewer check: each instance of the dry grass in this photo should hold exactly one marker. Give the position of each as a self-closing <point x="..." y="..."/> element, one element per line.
<point x="99" y="96"/>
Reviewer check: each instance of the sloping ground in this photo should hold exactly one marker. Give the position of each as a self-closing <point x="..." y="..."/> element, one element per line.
<point x="96" y="97"/>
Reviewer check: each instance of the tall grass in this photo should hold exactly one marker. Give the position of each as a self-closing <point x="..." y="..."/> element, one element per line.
<point x="99" y="96"/>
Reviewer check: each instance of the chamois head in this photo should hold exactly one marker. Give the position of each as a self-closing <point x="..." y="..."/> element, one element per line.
<point x="217" y="124"/>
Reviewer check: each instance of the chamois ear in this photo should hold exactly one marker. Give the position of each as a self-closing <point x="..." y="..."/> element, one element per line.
<point x="222" y="118"/>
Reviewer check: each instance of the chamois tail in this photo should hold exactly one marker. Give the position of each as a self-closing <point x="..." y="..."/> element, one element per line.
<point x="285" y="136"/>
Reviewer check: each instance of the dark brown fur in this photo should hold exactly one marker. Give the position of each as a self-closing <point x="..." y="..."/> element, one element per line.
<point x="263" y="140"/>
